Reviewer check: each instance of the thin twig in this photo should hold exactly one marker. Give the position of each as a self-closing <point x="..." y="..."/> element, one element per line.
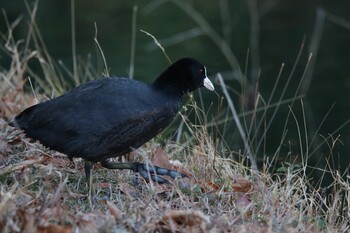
<point x="157" y="43"/>
<point x="133" y="42"/>
<point x="74" y="47"/>
<point x="101" y="51"/>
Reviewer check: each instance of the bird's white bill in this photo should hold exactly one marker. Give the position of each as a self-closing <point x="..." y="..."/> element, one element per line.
<point x="208" y="84"/>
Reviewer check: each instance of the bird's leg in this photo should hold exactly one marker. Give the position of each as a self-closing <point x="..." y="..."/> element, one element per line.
<point x="147" y="171"/>
<point x="88" y="166"/>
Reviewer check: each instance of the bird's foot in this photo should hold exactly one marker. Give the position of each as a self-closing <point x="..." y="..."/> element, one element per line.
<point x="146" y="170"/>
<point x="149" y="171"/>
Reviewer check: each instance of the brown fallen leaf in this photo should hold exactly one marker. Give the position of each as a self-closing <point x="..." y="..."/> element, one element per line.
<point x="26" y="221"/>
<point x="161" y="160"/>
<point x="182" y="221"/>
<point x="241" y="184"/>
<point x="22" y="165"/>
<point x="87" y="224"/>
<point x="102" y="185"/>
<point x="118" y="215"/>
<point x="94" y="222"/>
<point x="243" y="201"/>
<point x="131" y="156"/>
<point x="58" y="161"/>
<point x="56" y="229"/>
<point x="127" y="189"/>
<point x="207" y="186"/>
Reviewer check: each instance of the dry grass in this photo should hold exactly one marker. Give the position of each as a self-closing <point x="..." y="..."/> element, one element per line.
<point x="42" y="191"/>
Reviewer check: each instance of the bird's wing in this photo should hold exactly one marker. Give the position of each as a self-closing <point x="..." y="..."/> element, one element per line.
<point x="127" y="135"/>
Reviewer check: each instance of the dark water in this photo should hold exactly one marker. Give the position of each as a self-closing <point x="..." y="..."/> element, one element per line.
<point x="273" y="31"/>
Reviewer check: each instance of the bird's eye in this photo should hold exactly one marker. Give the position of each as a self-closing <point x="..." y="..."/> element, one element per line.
<point x="203" y="71"/>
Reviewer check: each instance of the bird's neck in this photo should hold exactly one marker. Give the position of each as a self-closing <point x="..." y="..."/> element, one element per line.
<point x="168" y="82"/>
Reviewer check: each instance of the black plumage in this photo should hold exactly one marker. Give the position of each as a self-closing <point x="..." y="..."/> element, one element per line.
<point x="111" y="116"/>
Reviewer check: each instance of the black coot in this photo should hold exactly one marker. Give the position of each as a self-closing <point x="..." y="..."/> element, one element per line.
<point x="110" y="117"/>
